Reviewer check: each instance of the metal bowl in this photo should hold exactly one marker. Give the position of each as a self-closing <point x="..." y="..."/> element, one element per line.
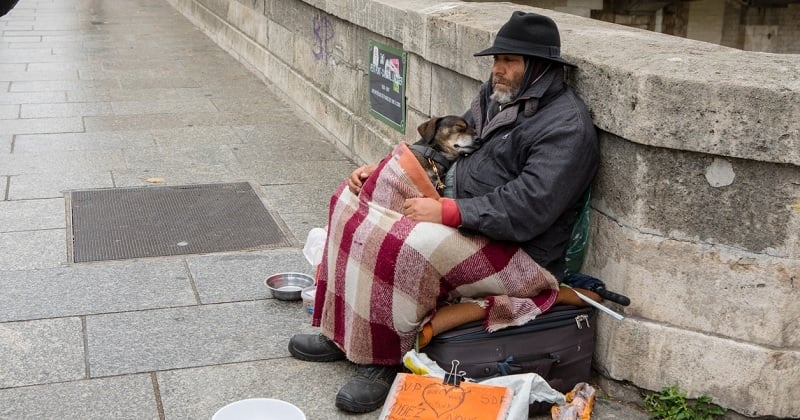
<point x="288" y="286"/>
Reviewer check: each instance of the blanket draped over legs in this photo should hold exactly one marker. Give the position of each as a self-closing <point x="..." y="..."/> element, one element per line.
<point x="383" y="275"/>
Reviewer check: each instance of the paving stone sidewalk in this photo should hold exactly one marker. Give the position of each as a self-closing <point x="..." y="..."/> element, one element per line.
<point x="114" y="94"/>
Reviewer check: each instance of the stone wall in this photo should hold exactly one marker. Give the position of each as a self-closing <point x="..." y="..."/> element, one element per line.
<point x="697" y="203"/>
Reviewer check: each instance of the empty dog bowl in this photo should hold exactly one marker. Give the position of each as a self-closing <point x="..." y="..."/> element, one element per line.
<point x="259" y="409"/>
<point x="288" y="286"/>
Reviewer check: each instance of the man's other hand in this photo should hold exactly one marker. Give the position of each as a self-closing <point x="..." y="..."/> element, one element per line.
<point x="358" y="177"/>
<point x="423" y="210"/>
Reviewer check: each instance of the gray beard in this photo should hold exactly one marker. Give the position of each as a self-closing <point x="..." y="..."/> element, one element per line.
<point x="503" y="98"/>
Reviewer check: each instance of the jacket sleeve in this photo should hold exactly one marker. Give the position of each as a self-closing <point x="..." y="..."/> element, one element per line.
<point x="557" y="165"/>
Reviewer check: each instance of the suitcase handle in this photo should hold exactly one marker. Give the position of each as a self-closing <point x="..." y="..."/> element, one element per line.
<point x="540" y="367"/>
<point x="612" y="296"/>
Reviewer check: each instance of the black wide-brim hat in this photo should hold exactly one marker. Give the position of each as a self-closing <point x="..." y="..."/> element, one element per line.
<point x="528" y="34"/>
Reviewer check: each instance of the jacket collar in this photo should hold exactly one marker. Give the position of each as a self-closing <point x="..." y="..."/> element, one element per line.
<point x="537" y="94"/>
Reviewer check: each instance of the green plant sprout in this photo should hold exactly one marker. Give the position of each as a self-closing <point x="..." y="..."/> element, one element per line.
<point x="671" y="404"/>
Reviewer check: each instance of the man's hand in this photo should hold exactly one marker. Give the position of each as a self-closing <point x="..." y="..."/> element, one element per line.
<point x="423" y="210"/>
<point x="567" y="296"/>
<point x="358" y="177"/>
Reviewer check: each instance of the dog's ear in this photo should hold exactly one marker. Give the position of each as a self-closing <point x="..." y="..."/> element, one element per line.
<point x="428" y="129"/>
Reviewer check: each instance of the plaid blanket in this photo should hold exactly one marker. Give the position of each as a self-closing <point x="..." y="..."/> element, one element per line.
<point x="383" y="275"/>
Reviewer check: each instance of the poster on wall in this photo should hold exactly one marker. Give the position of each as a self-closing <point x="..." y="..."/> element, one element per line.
<point x="387" y="87"/>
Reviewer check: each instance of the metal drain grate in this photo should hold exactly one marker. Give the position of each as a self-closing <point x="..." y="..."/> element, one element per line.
<point x="123" y="223"/>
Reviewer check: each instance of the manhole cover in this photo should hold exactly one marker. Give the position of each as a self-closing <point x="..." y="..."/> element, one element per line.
<point x="123" y="223"/>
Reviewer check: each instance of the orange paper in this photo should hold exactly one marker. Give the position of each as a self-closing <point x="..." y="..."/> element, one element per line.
<point x="425" y="397"/>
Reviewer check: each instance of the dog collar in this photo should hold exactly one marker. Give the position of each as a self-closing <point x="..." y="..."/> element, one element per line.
<point x="429" y="153"/>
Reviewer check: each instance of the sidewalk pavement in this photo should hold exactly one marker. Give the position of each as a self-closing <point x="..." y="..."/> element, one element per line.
<point x="110" y="94"/>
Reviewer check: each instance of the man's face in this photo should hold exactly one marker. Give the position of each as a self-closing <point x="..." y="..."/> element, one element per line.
<point x="507" y="72"/>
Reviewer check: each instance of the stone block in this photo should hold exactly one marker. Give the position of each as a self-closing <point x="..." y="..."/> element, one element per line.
<point x="22" y="215"/>
<point x="451" y="92"/>
<point x="238" y="277"/>
<point x="61" y="161"/>
<point x="345" y="82"/>
<point x="256" y="5"/>
<point x="52" y="184"/>
<point x="301" y="223"/>
<point x="734" y="116"/>
<point x="262" y="30"/>
<point x="442" y="39"/>
<point x="315" y="69"/>
<point x="43" y="125"/>
<point x="31" y="250"/>
<point x="198" y="392"/>
<point x="277" y="71"/>
<point x="78" y="290"/>
<point x="197" y="105"/>
<point x="471" y="40"/>
<point x="40" y="352"/>
<point x="48" y="143"/>
<point x="296" y="16"/>
<point x="640" y="186"/>
<point x="418" y="86"/>
<point x="384" y="19"/>
<point x="714" y="290"/>
<point x="739" y="376"/>
<point x="218" y="7"/>
<point x="298" y="88"/>
<point x="373" y="142"/>
<point x="129" y="397"/>
<point x="60" y="85"/>
<point x="415" y="37"/>
<point x="210" y="19"/>
<point x="338" y="123"/>
<point x="304" y="198"/>
<point x="187" y="137"/>
<point x="243" y="17"/>
<point x="165" y="339"/>
<point x="345" y="42"/>
<point x="250" y="53"/>
<point x="62" y="110"/>
<point x="415" y="119"/>
<point x="32" y="97"/>
<point x="8" y="112"/>
<point x="281" y="42"/>
<point x="301" y="172"/>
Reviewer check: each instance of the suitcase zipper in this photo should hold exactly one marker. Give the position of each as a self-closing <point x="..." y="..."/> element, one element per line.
<point x="552" y="320"/>
<point x="581" y="318"/>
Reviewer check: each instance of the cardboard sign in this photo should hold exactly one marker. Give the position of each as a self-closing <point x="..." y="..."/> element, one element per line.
<point x="425" y="397"/>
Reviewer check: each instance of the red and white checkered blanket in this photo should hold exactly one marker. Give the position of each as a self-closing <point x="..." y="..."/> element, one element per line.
<point x="383" y="275"/>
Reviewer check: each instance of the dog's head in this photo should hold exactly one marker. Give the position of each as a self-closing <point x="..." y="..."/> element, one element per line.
<point x="449" y="135"/>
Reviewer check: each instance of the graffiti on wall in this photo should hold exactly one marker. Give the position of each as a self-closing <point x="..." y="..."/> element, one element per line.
<point x="323" y="35"/>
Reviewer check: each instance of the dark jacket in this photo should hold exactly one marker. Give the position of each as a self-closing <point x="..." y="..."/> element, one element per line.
<point x="527" y="181"/>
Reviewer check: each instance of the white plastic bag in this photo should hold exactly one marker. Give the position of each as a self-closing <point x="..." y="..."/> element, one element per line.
<point x="315" y="245"/>
<point x="528" y="387"/>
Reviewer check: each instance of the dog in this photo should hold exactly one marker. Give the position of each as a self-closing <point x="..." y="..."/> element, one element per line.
<point x="444" y="139"/>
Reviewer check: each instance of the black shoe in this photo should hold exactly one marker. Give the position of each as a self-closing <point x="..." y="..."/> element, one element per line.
<point x="367" y="390"/>
<point x="314" y="348"/>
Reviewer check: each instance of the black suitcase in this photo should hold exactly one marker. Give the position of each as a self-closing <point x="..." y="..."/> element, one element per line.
<point x="558" y="345"/>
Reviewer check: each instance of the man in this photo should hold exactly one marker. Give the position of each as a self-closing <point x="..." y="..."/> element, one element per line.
<point x="525" y="184"/>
